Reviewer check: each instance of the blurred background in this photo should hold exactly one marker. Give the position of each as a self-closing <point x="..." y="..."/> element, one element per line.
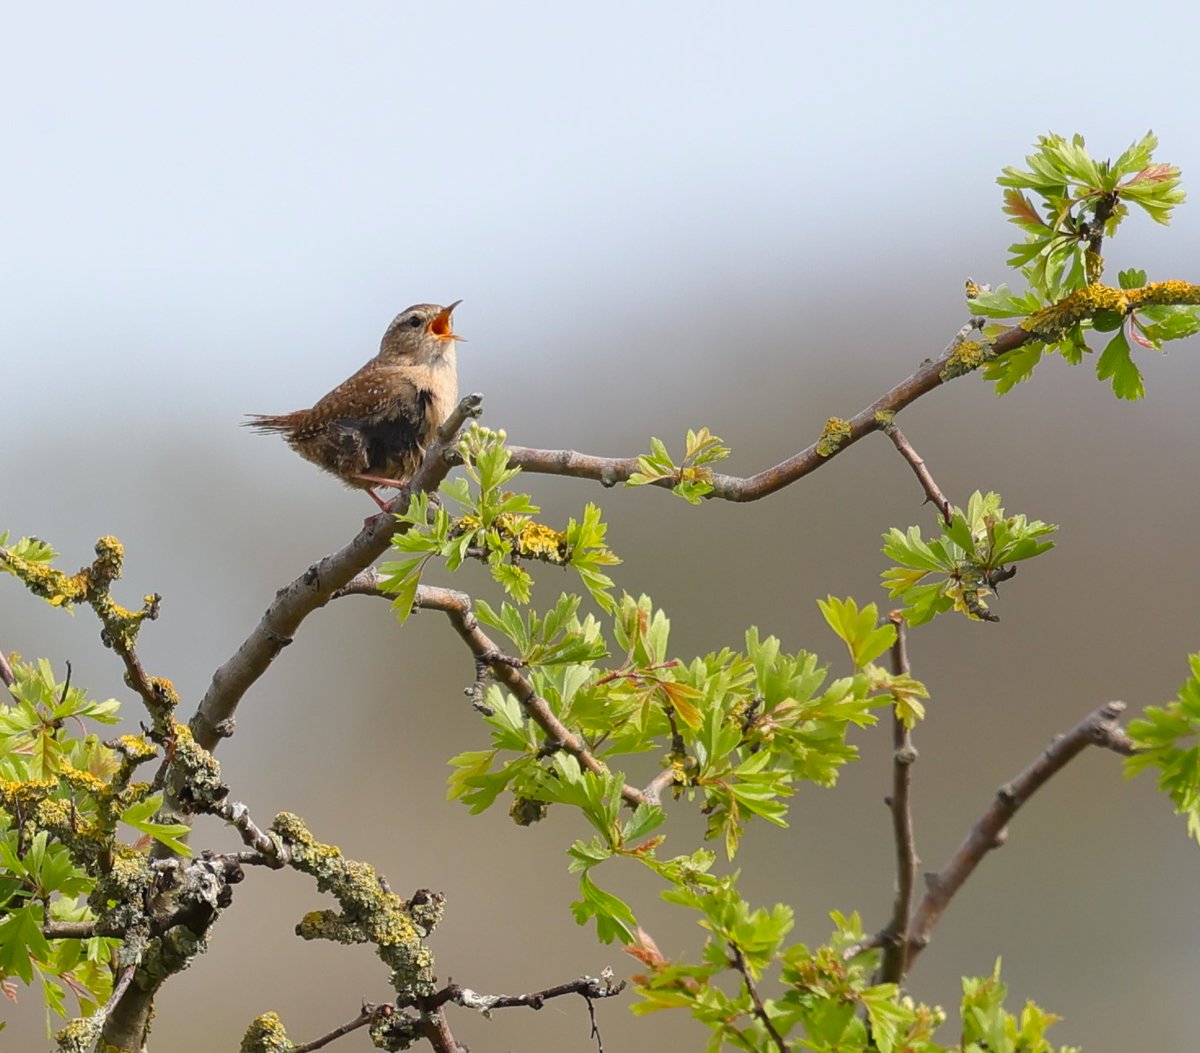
<point x="658" y="216"/>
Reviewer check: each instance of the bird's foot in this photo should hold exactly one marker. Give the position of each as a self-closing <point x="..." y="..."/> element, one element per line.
<point x="379" y="480"/>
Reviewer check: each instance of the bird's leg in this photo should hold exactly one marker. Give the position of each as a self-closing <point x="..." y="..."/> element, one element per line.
<point x="379" y="480"/>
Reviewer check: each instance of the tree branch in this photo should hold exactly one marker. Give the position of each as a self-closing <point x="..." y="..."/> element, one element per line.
<point x="457" y="607"/>
<point x="266" y="849"/>
<point x="6" y="673"/>
<point x="75" y="930"/>
<point x="437" y="1031"/>
<point x="1100" y="728"/>
<point x="612" y="470"/>
<point x="760" y="1010"/>
<point x="894" y="938"/>
<point x="932" y="491"/>
<point x="368" y="1014"/>
<point x="118" y="990"/>
<point x="655" y="787"/>
<point x="314" y="588"/>
<point x="587" y="986"/>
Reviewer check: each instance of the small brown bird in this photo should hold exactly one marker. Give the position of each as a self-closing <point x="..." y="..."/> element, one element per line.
<point x="372" y="429"/>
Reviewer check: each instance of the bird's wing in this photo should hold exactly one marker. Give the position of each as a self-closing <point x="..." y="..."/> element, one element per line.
<point x="375" y="394"/>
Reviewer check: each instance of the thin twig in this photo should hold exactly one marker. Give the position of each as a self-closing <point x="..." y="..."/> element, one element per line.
<point x="932" y="492"/>
<point x="368" y="1014"/>
<point x="457" y="607"/>
<point x="119" y="989"/>
<point x="590" y="988"/>
<point x="1099" y="728"/>
<point x="6" y="673"/>
<point x="869" y="943"/>
<point x="894" y="938"/>
<point x="75" y="930"/>
<point x="587" y="986"/>
<point x="266" y="848"/>
<point x="1106" y="205"/>
<point x="760" y="1010"/>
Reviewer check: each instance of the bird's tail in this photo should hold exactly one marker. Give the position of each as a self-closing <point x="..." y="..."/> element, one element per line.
<point x="267" y="422"/>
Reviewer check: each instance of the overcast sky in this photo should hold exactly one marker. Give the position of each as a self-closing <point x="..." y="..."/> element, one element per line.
<point x="658" y="216"/>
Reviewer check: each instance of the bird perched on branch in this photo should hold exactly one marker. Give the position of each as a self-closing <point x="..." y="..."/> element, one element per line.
<point x="372" y="430"/>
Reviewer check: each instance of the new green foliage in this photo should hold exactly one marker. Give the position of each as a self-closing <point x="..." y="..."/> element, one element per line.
<point x="822" y="999"/>
<point x="52" y="766"/>
<point x="957" y="569"/>
<point x="495" y="526"/>
<point x="736" y="730"/>
<point x="692" y="477"/>
<point x="1169" y="739"/>
<point x="1066" y="203"/>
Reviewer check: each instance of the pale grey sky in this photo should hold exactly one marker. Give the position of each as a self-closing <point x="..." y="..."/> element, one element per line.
<point x="658" y="215"/>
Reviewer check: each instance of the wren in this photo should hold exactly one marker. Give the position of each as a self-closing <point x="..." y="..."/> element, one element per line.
<point x="372" y="429"/>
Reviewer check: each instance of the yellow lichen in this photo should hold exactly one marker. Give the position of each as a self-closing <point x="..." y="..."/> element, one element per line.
<point x="136" y="747"/>
<point x="83" y="781"/>
<point x="1051" y="322"/>
<point x="966" y="357"/>
<point x="22" y="794"/>
<point x="539" y="541"/>
<point x="369" y="912"/>
<point x="56" y="816"/>
<point x="1164" y="294"/>
<point x="833" y="436"/>
<point x="266" y="1035"/>
<point x="79" y="1036"/>
<point x="529" y="538"/>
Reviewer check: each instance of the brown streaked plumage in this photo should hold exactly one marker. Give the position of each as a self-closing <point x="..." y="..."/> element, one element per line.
<point x="372" y="429"/>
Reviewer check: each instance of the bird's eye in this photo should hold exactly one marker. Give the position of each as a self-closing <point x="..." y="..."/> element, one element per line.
<point x="414" y="322"/>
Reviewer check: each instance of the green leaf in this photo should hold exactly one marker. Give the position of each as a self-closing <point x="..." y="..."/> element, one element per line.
<point x="1014" y="367"/>
<point x="866" y="639"/>
<point x="1166" y="737"/>
<point x="400" y="579"/>
<point x="1116" y="363"/>
<point x="21" y="940"/>
<point x="138" y="815"/>
<point x="1002" y="302"/>
<point x="517" y="581"/>
<point x="614" y="919"/>
<point x="645" y="818"/>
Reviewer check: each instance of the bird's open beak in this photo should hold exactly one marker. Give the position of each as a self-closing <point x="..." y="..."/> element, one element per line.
<point x="442" y="327"/>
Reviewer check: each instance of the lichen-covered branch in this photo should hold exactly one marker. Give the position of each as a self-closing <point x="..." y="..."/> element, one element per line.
<point x="1099" y="728"/>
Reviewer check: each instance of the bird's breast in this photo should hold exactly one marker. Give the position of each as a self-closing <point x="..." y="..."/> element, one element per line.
<point x="440" y="381"/>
